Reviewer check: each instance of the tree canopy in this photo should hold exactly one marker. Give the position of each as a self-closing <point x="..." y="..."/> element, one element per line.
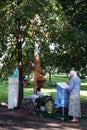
<point x="61" y="23"/>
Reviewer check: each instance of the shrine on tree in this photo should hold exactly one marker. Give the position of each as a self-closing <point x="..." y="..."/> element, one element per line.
<point x="39" y="72"/>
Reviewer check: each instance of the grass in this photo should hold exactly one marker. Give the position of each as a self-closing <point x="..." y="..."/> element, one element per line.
<point x="28" y="90"/>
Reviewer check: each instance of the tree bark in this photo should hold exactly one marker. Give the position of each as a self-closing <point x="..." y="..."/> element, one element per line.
<point x="20" y="65"/>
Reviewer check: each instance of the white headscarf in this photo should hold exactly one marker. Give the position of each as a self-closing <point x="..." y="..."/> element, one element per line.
<point x="73" y="73"/>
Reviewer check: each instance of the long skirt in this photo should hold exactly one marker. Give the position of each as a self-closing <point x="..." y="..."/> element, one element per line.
<point x="74" y="105"/>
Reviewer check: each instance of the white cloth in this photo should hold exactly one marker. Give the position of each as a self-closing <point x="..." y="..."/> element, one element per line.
<point x="63" y="85"/>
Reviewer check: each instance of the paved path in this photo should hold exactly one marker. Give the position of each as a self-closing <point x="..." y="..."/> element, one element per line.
<point x="21" y="120"/>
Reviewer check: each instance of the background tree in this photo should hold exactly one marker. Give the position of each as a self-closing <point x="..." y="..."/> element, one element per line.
<point x="73" y="38"/>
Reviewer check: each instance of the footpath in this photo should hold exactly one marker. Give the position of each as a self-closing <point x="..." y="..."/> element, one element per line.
<point x="18" y="119"/>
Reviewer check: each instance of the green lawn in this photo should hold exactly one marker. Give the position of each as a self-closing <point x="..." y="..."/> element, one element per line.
<point x="28" y="90"/>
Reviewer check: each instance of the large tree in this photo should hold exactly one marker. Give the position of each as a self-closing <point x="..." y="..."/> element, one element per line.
<point x="21" y="28"/>
<point x="63" y="23"/>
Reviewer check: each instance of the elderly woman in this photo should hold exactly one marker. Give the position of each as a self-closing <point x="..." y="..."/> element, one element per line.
<point x="74" y="97"/>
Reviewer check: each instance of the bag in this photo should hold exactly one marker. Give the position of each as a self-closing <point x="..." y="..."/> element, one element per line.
<point x="28" y="105"/>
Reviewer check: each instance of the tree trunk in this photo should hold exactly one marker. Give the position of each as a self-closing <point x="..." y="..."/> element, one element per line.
<point x="49" y="77"/>
<point x="20" y="66"/>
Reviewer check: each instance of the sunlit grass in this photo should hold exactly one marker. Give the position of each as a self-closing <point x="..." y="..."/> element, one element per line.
<point x="52" y="92"/>
<point x="3" y="92"/>
<point x="28" y="90"/>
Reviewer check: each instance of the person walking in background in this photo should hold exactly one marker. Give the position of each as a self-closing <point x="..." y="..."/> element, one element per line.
<point x="74" y="96"/>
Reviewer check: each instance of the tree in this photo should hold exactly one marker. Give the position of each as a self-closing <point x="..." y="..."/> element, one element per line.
<point x="21" y="15"/>
<point x="73" y="38"/>
<point x="60" y="24"/>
